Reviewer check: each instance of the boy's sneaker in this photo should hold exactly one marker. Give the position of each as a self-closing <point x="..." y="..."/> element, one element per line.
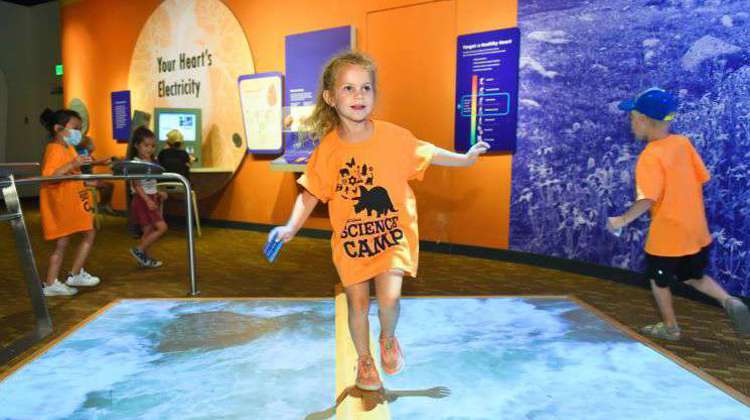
<point x="82" y="279"/>
<point x="739" y="314"/>
<point x="139" y="256"/>
<point x="391" y="356"/>
<point x="367" y="375"/>
<point x="59" y="289"/>
<point x="152" y="262"/>
<point x="660" y="330"/>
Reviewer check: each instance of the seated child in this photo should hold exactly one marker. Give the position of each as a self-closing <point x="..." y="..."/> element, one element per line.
<point x="174" y="158"/>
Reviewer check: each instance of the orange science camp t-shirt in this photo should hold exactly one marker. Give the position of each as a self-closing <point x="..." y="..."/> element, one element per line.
<point x="63" y="205"/>
<point x="372" y="209"/>
<point x="671" y="173"/>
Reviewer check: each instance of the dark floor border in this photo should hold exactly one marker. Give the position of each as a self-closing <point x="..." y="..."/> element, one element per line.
<point x="519" y="257"/>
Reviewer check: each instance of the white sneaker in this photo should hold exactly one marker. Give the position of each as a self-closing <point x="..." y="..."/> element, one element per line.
<point x="152" y="262"/>
<point x="59" y="289"/>
<point x="82" y="279"/>
<point x="90" y="276"/>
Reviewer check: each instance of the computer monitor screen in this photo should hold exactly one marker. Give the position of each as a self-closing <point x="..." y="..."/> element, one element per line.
<point x="185" y="122"/>
<point x="188" y="121"/>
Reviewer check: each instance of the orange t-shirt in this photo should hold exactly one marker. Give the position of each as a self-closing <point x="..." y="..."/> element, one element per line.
<point x="671" y="173"/>
<point x="64" y="206"/>
<point x="372" y="209"/>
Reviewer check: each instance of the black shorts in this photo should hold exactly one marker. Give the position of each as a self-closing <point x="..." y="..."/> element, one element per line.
<point x="664" y="270"/>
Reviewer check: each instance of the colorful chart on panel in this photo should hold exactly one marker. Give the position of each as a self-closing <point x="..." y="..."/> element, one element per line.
<point x="487" y="90"/>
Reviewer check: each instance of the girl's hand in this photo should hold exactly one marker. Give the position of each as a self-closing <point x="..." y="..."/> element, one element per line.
<point x="163" y="195"/>
<point x="282" y="233"/>
<point x="151" y="204"/>
<point x="80" y="161"/>
<point x="476" y="150"/>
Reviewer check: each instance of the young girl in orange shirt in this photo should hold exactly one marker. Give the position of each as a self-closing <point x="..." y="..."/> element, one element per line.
<point x="64" y="206"/>
<point x="146" y="203"/>
<point x="362" y="168"/>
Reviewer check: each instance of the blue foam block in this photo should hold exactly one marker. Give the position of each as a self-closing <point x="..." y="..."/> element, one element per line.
<point x="272" y="248"/>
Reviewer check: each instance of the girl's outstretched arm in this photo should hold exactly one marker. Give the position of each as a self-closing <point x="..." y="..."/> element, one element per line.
<point x="76" y="163"/>
<point x="303" y="206"/>
<point x="446" y="158"/>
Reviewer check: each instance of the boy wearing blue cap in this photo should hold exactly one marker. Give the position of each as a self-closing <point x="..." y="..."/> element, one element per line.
<point x="669" y="181"/>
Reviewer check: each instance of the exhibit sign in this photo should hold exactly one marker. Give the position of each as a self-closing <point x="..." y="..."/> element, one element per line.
<point x="487" y="90"/>
<point x="306" y="56"/>
<point x="260" y="100"/>
<point x="120" y="102"/>
<point x="189" y="55"/>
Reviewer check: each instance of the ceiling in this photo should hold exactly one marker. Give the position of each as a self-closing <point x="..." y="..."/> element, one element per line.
<point x="28" y="2"/>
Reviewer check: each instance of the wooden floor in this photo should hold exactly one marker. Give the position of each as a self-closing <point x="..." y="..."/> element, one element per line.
<point x="230" y="264"/>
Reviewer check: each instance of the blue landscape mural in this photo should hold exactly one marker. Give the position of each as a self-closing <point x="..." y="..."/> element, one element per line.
<point x="576" y="156"/>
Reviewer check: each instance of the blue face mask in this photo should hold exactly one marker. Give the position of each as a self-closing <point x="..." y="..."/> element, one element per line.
<point x="74" y="137"/>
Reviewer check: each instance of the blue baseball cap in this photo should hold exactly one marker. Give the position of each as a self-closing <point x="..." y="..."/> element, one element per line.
<point x="654" y="103"/>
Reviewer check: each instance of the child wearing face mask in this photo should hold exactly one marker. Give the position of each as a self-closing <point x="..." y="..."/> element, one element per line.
<point x="64" y="206"/>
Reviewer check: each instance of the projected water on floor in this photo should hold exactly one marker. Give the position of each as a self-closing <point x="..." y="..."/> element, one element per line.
<point x="467" y="358"/>
<point x="181" y="360"/>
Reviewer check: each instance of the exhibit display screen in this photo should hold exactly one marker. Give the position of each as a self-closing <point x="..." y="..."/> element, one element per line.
<point x="187" y="121"/>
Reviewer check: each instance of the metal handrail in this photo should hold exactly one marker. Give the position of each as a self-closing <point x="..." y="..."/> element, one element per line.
<point x="167" y="175"/>
<point x="11" y="168"/>
<point x="14" y="216"/>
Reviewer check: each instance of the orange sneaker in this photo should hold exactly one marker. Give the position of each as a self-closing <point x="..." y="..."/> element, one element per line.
<point x="367" y="375"/>
<point x="391" y="356"/>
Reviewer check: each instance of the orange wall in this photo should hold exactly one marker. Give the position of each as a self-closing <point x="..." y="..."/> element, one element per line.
<point x="462" y="206"/>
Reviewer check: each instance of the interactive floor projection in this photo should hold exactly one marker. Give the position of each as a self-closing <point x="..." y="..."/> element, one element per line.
<point x="539" y="358"/>
<point x="467" y="358"/>
<point x="183" y="359"/>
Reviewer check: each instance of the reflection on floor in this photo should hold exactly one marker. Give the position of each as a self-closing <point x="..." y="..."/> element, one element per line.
<point x="488" y="358"/>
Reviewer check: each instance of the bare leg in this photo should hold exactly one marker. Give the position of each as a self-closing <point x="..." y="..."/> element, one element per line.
<point x="358" y="301"/>
<point x="84" y="249"/>
<point x="151" y="234"/>
<point x="708" y="286"/>
<point x="388" y="293"/>
<point x="663" y="296"/>
<point x="56" y="259"/>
